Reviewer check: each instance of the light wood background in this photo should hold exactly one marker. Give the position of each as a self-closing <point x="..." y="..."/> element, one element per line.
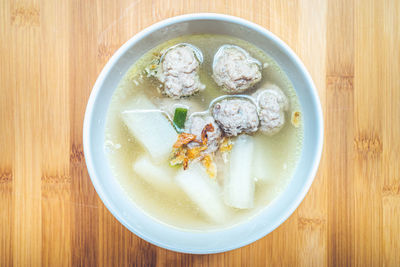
<point x="51" y="54"/>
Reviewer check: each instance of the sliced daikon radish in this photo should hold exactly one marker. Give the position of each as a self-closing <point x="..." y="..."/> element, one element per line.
<point x="239" y="181"/>
<point x="261" y="164"/>
<point x="203" y="191"/>
<point x="160" y="176"/>
<point x="265" y="165"/>
<point x="150" y="127"/>
<point x="266" y="161"/>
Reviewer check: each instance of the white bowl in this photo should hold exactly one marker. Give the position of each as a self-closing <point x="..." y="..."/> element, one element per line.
<point x="110" y="190"/>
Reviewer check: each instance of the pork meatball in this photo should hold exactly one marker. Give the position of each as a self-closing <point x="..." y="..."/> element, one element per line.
<point x="236" y="116"/>
<point x="196" y="124"/>
<point x="272" y="104"/>
<point x="179" y="72"/>
<point x="234" y="69"/>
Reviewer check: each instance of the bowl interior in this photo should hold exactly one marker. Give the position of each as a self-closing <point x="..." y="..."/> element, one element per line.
<point x="132" y="216"/>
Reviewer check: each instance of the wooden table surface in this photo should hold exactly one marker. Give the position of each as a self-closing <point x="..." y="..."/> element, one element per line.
<point x="51" y="54"/>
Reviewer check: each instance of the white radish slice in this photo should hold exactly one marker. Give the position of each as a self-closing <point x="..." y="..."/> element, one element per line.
<point x="150" y="127"/>
<point x="160" y="176"/>
<point x="267" y="164"/>
<point x="239" y="181"/>
<point x="203" y="191"/>
<point x="262" y="169"/>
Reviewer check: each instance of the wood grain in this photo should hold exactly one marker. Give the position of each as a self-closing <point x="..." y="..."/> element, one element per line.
<point x="51" y="53"/>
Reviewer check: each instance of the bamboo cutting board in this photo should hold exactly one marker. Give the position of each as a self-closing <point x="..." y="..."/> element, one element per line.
<point x="51" y="54"/>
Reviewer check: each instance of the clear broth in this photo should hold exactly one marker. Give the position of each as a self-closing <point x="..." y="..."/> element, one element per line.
<point x="282" y="150"/>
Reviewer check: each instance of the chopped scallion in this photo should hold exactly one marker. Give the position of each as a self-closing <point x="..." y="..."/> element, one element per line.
<point x="180" y="118"/>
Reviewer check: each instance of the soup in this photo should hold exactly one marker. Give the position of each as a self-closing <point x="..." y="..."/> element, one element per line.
<point x="204" y="131"/>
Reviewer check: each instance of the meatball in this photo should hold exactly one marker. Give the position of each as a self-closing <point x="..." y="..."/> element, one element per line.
<point x="196" y="124"/>
<point x="179" y="72"/>
<point x="272" y="104"/>
<point x="234" y="69"/>
<point x="236" y="116"/>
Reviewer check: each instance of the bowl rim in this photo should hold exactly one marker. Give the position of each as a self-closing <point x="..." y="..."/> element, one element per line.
<point x="162" y="24"/>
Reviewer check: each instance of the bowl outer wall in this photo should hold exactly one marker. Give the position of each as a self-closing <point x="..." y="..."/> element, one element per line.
<point x="213" y="241"/>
